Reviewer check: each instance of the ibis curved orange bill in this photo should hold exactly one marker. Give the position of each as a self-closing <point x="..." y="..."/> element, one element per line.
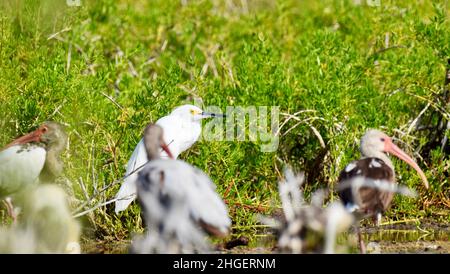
<point x="395" y="150"/>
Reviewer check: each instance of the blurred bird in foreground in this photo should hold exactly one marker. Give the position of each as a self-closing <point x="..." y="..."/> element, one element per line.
<point x="179" y="203"/>
<point x="307" y="228"/>
<point x="312" y="228"/>
<point x="46" y="226"/>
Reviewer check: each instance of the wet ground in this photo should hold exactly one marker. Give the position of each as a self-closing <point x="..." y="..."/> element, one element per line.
<point x="405" y="237"/>
<point x="410" y="237"/>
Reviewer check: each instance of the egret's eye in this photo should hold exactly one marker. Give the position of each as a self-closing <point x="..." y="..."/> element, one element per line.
<point x="382" y="139"/>
<point x="192" y="112"/>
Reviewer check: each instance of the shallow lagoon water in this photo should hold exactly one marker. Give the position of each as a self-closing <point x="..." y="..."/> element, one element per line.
<point x="412" y="237"/>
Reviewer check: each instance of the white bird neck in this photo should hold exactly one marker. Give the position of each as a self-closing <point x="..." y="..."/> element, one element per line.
<point x="53" y="166"/>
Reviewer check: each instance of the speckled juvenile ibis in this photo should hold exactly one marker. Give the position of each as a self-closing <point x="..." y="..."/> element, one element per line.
<point x="178" y="201"/>
<point x="182" y="128"/>
<point x="31" y="158"/>
<point x="374" y="165"/>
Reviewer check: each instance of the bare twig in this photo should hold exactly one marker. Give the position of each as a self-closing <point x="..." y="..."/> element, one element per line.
<point x="389" y="48"/>
<point x="414" y="122"/>
<point x="83" y="187"/>
<point x="115" y="182"/>
<point x="259" y="208"/>
<point x="316" y="132"/>
<point x="54" y="35"/>
<point x="225" y="194"/>
<point x="132" y="69"/>
<point x="295" y="117"/>
<point x="69" y="58"/>
<point x="438" y="108"/>
<point x="96" y="207"/>
<point x="112" y="100"/>
<point x="399" y="222"/>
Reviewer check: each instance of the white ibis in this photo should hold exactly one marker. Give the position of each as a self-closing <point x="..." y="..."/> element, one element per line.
<point x="374" y="165"/>
<point x="46" y="226"/>
<point x="30" y="158"/>
<point x="182" y="128"/>
<point x="178" y="201"/>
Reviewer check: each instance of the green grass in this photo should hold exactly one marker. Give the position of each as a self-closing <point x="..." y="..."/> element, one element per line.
<point x="132" y="62"/>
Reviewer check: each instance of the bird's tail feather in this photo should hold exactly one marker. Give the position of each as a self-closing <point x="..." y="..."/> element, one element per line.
<point x="126" y="194"/>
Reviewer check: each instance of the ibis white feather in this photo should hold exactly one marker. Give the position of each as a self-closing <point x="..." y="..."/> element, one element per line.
<point x="20" y="166"/>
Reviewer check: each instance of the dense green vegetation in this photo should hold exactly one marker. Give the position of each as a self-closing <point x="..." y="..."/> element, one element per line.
<point x="107" y="68"/>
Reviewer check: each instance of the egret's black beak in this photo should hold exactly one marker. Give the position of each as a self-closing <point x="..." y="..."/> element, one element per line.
<point x="213" y="115"/>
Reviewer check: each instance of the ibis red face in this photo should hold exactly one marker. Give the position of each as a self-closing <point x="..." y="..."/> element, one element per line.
<point x="34" y="136"/>
<point x="390" y="147"/>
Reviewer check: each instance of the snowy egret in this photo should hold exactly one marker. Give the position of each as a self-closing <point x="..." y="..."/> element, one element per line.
<point x="182" y="128"/>
<point x="179" y="202"/>
<point x="31" y="158"/>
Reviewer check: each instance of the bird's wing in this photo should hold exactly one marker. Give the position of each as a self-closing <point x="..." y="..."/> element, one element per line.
<point x="127" y="192"/>
<point x="163" y="200"/>
<point x="183" y="182"/>
<point x="206" y="206"/>
<point x="20" y="166"/>
<point x="192" y="132"/>
<point x="368" y="199"/>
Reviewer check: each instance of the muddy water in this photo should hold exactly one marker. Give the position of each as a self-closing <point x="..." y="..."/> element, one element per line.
<point x="409" y="238"/>
<point x="424" y="237"/>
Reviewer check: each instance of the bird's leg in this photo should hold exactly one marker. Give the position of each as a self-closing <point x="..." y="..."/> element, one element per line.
<point x="10" y="209"/>
<point x="362" y="246"/>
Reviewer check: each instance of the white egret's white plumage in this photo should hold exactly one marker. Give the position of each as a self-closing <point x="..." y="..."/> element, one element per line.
<point x="179" y="202"/>
<point x="182" y="128"/>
